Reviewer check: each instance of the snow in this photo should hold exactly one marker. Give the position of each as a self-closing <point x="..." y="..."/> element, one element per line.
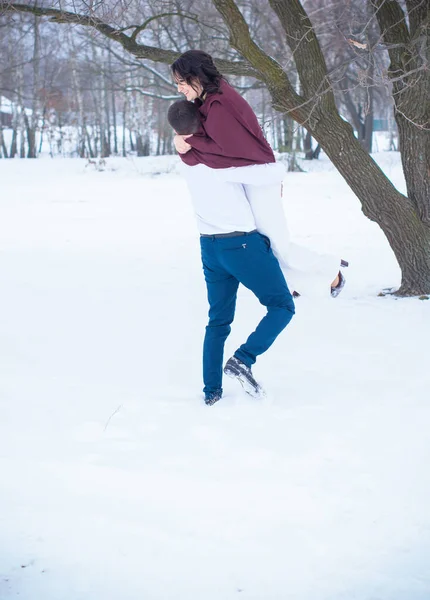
<point x="5" y="105"/>
<point x="118" y="482"/>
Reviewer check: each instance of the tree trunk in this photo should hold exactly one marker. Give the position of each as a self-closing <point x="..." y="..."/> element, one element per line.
<point x="409" y="50"/>
<point x="42" y="128"/>
<point x="414" y="146"/>
<point x="21" y="111"/>
<point x="3" y="149"/>
<point x="139" y="144"/>
<point x="22" y="143"/>
<point x="277" y="132"/>
<point x="60" y="145"/>
<point x="31" y="136"/>
<point x="393" y="133"/>
<point x="13" y="144"/>
<point x="77" y="93"/>
<point x="367" y="141"/>
<point x="409" y="237"/>
<point x="309" y="153"/>
<point x="363" y="125"/>
<point x="81" y="139"/>
<point x="288" y="134"/>
<point x="106" y="131"/>
<point x="32" y="121"/>
<point x="91" y="153"/>
<point x="114" y="123"/>
<point x="124" y="123"/>
<point x="113" y="101"/>
<point x="315" y="108"/>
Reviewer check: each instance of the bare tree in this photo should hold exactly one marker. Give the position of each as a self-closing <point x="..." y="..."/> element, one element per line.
<point x="404" y="33"/>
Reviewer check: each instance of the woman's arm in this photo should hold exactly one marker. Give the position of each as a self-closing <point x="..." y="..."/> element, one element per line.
<point x="230" y="136"/>
<point x="223" y="134"/>
<point x="229" y="139"/>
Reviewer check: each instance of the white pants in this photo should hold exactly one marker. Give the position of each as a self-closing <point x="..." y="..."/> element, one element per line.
<point x="307" y="272"/>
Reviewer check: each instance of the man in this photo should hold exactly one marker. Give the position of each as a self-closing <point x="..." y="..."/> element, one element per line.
<point x="233" y="252"/>
<point x="308" y="272"/>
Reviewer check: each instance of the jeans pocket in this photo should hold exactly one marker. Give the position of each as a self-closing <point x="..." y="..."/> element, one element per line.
<point x="267" y="241"/>
<point x="235" y="248"/>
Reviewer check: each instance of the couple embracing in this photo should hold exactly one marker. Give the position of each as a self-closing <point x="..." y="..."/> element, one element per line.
<point x="235" y="187"/>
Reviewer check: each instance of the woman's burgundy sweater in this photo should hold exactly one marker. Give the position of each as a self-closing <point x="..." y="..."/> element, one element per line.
<point x="230" y="135"/>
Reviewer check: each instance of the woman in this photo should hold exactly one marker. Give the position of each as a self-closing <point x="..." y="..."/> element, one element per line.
<point x="232" y="137"/>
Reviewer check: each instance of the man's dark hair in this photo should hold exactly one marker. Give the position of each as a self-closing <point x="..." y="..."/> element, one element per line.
<point x="197" y="65"/>
<point x="184" y="117"/>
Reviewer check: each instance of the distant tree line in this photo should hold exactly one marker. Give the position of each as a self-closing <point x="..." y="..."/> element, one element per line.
<point x="74" y="92"/>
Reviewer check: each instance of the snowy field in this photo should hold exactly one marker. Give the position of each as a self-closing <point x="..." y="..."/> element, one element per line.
<point x="118" y="483"/>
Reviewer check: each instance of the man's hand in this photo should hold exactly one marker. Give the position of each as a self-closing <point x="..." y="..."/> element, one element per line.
<point x="180" y="144"/>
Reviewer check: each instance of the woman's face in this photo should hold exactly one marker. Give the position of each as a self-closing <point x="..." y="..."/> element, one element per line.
<point x="191" y="92"/>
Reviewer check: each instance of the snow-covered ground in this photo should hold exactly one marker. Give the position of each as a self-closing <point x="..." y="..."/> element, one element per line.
<point x="117" y="482"/>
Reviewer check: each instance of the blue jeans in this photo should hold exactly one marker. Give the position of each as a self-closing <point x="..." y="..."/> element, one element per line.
<point x="246" y="259"/>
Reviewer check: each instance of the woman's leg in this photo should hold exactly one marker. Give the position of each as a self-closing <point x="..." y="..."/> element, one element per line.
<point x="306" y="271"/>
<point x="270" y="220"/>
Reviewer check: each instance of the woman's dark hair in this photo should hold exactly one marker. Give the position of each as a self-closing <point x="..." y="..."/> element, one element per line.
<point x="184" y="117"/>
<point x="196" y="64"/>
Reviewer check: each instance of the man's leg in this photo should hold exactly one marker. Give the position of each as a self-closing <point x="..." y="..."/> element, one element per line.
<point x="255" y="266"/>
<point x="222" y="292"/>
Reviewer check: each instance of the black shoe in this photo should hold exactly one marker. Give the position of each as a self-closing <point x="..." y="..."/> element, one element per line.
<point x="335" y="291"/>
<point x="236" y="369"/>
<point x="344" y="263"/>
<point x="295" y="294"/>
<point x="213" y="397"/>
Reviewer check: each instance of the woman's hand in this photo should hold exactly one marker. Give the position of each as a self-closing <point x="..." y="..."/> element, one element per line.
<point x="180" y="144"/>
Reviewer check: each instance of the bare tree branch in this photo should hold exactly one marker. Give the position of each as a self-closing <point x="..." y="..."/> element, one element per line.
<point x="394" y="30"/>
<point x="152" y="95"/>
<point x="139" y="28"/>
<point x="127" y="42"/>
<point x="281" y="89"/>
<point x="308" y="56"/>
<point x="419" y="15"/>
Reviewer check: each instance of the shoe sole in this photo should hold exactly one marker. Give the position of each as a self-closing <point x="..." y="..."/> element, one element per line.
<point x="248" y="387"/>
<point x="337" y="290"/>
<point x="212" y="402"/>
